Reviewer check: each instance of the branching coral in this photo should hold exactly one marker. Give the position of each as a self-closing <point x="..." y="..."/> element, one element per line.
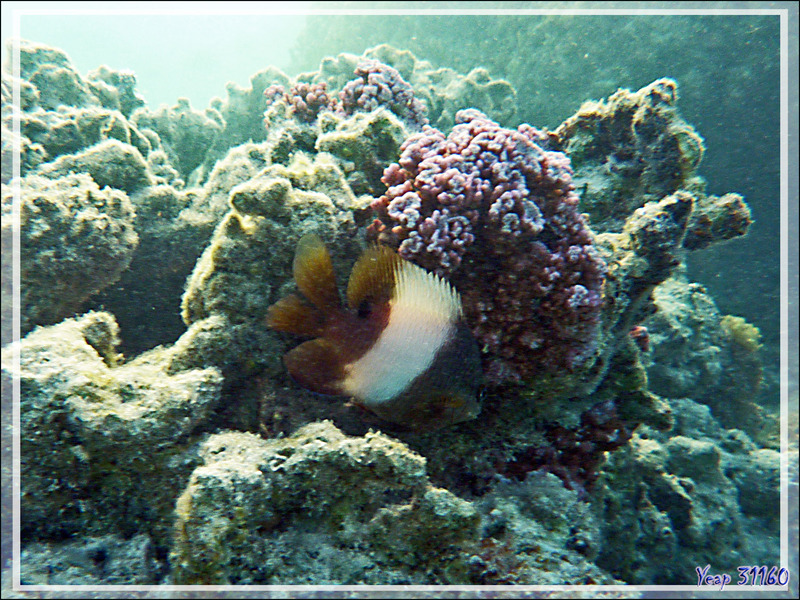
<point x="305" y="100"/>
<point x="493" y="211"/>
<point x="377" y="84"/>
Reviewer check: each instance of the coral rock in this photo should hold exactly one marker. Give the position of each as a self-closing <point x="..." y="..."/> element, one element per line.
<point x="110" y="163"/>
<point x="629" y="150"/>
<point x="76" y="239"/>
<point x="104" y="445"/>
<point x="370" y="493"/>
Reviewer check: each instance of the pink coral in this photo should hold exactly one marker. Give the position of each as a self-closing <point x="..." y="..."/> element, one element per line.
<point x="377" y="84"/>
<point x="305" y="100"/>
<point x="494" y="212"/>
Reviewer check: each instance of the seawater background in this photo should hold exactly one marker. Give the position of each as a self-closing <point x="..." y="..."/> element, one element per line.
<point x="727" y="68"/>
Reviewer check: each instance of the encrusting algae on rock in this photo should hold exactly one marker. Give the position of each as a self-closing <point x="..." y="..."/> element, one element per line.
<point x="400" y="348"/>
<point x="203" y="463"/>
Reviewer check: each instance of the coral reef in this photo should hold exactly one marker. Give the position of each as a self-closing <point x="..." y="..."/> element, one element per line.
<point x="254" y="243"/>
<point x="185" y="134"/>
<point x="107" y="560"/>
<point x="365" y="512"/>
<point x="77" y="239"/>
<point x="364" y="144"/>
<point x="716" y="219"/>
<point x="116" y="89"/>
<point x="83" y="133"/>
<point x="607" y="459"/>
<point x="61" y="112"/>
<point x="110" y="164"/>
<point x="72" y="129"/>
<point x="486" y="196"/>
<point x="629" y="150"/>
<point x="362" y="506"/>
<point x="535" y="530"/>
<point x="377" y="84"/>
<point x="385" y="78"/>
<point x="712" y="358"/>
<point x="94" y="430"/>
<point x="248" y="262"/>
<point x="670" y="502"/>
<point x="305" y="100"/>
<point x="173" y="227"/>
<point x="242" y="113"/>
<point x="444" y="91"/>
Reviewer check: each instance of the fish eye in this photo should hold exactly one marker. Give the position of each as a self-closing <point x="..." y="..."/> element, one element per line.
<point x="364" y="309"/>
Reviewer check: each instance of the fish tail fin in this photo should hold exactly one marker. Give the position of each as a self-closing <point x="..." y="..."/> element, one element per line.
<point x="292" y="315"/>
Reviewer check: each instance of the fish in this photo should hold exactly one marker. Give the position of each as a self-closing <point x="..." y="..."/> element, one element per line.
<point x="398" y="347"/>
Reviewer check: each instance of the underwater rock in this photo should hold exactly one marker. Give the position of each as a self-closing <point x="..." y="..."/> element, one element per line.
<point x="447" y="91"/>
<point x="106" y="447"/>
<point x="71" y="130"/>
<point x="173" y="230"/>
<point x="364" y="144"/>
<point x="76" y="239"/>
<point x="60" y="85"/>
<point x="295" y="510"/>
<point x="61" y="112"/>
<point x="369" y="493"/>
<point x="31" y="154"/>
<point x="115" y="89"/>
<point x="536" y="531"/>
<point x="714" y="359"/>
<point x="254" y="244"/>
<point x="239" y="165"/>
<point x="242" y="113"/>
<point x="758" y="482"/>
<point x="697" y="495"/>
<point x="716" y="219"/>
<point x="363" y="125"/>
<point x="162" y="171"/>
<point x="57" y="82"/>
<point x="185" y="134"/>
<point x="629" y="150"/>
<point x="110" y="163"/>
<point x="107" y="560"/>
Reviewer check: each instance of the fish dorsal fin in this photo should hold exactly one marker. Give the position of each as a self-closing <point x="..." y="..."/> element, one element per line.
<point x="373" y="277"/>
<point x="313" y="273"/>
<point x="421" y="292"/>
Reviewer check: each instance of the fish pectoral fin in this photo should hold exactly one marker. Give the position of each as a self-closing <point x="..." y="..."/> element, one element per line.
<point x="373" y="277"/>
<point x="313" y="273"/>
<point x="317" y="365"/>
<point x="292" y="315"/>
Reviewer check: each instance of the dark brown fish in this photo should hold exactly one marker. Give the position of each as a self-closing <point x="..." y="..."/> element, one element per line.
<point x="399" y="347"/>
